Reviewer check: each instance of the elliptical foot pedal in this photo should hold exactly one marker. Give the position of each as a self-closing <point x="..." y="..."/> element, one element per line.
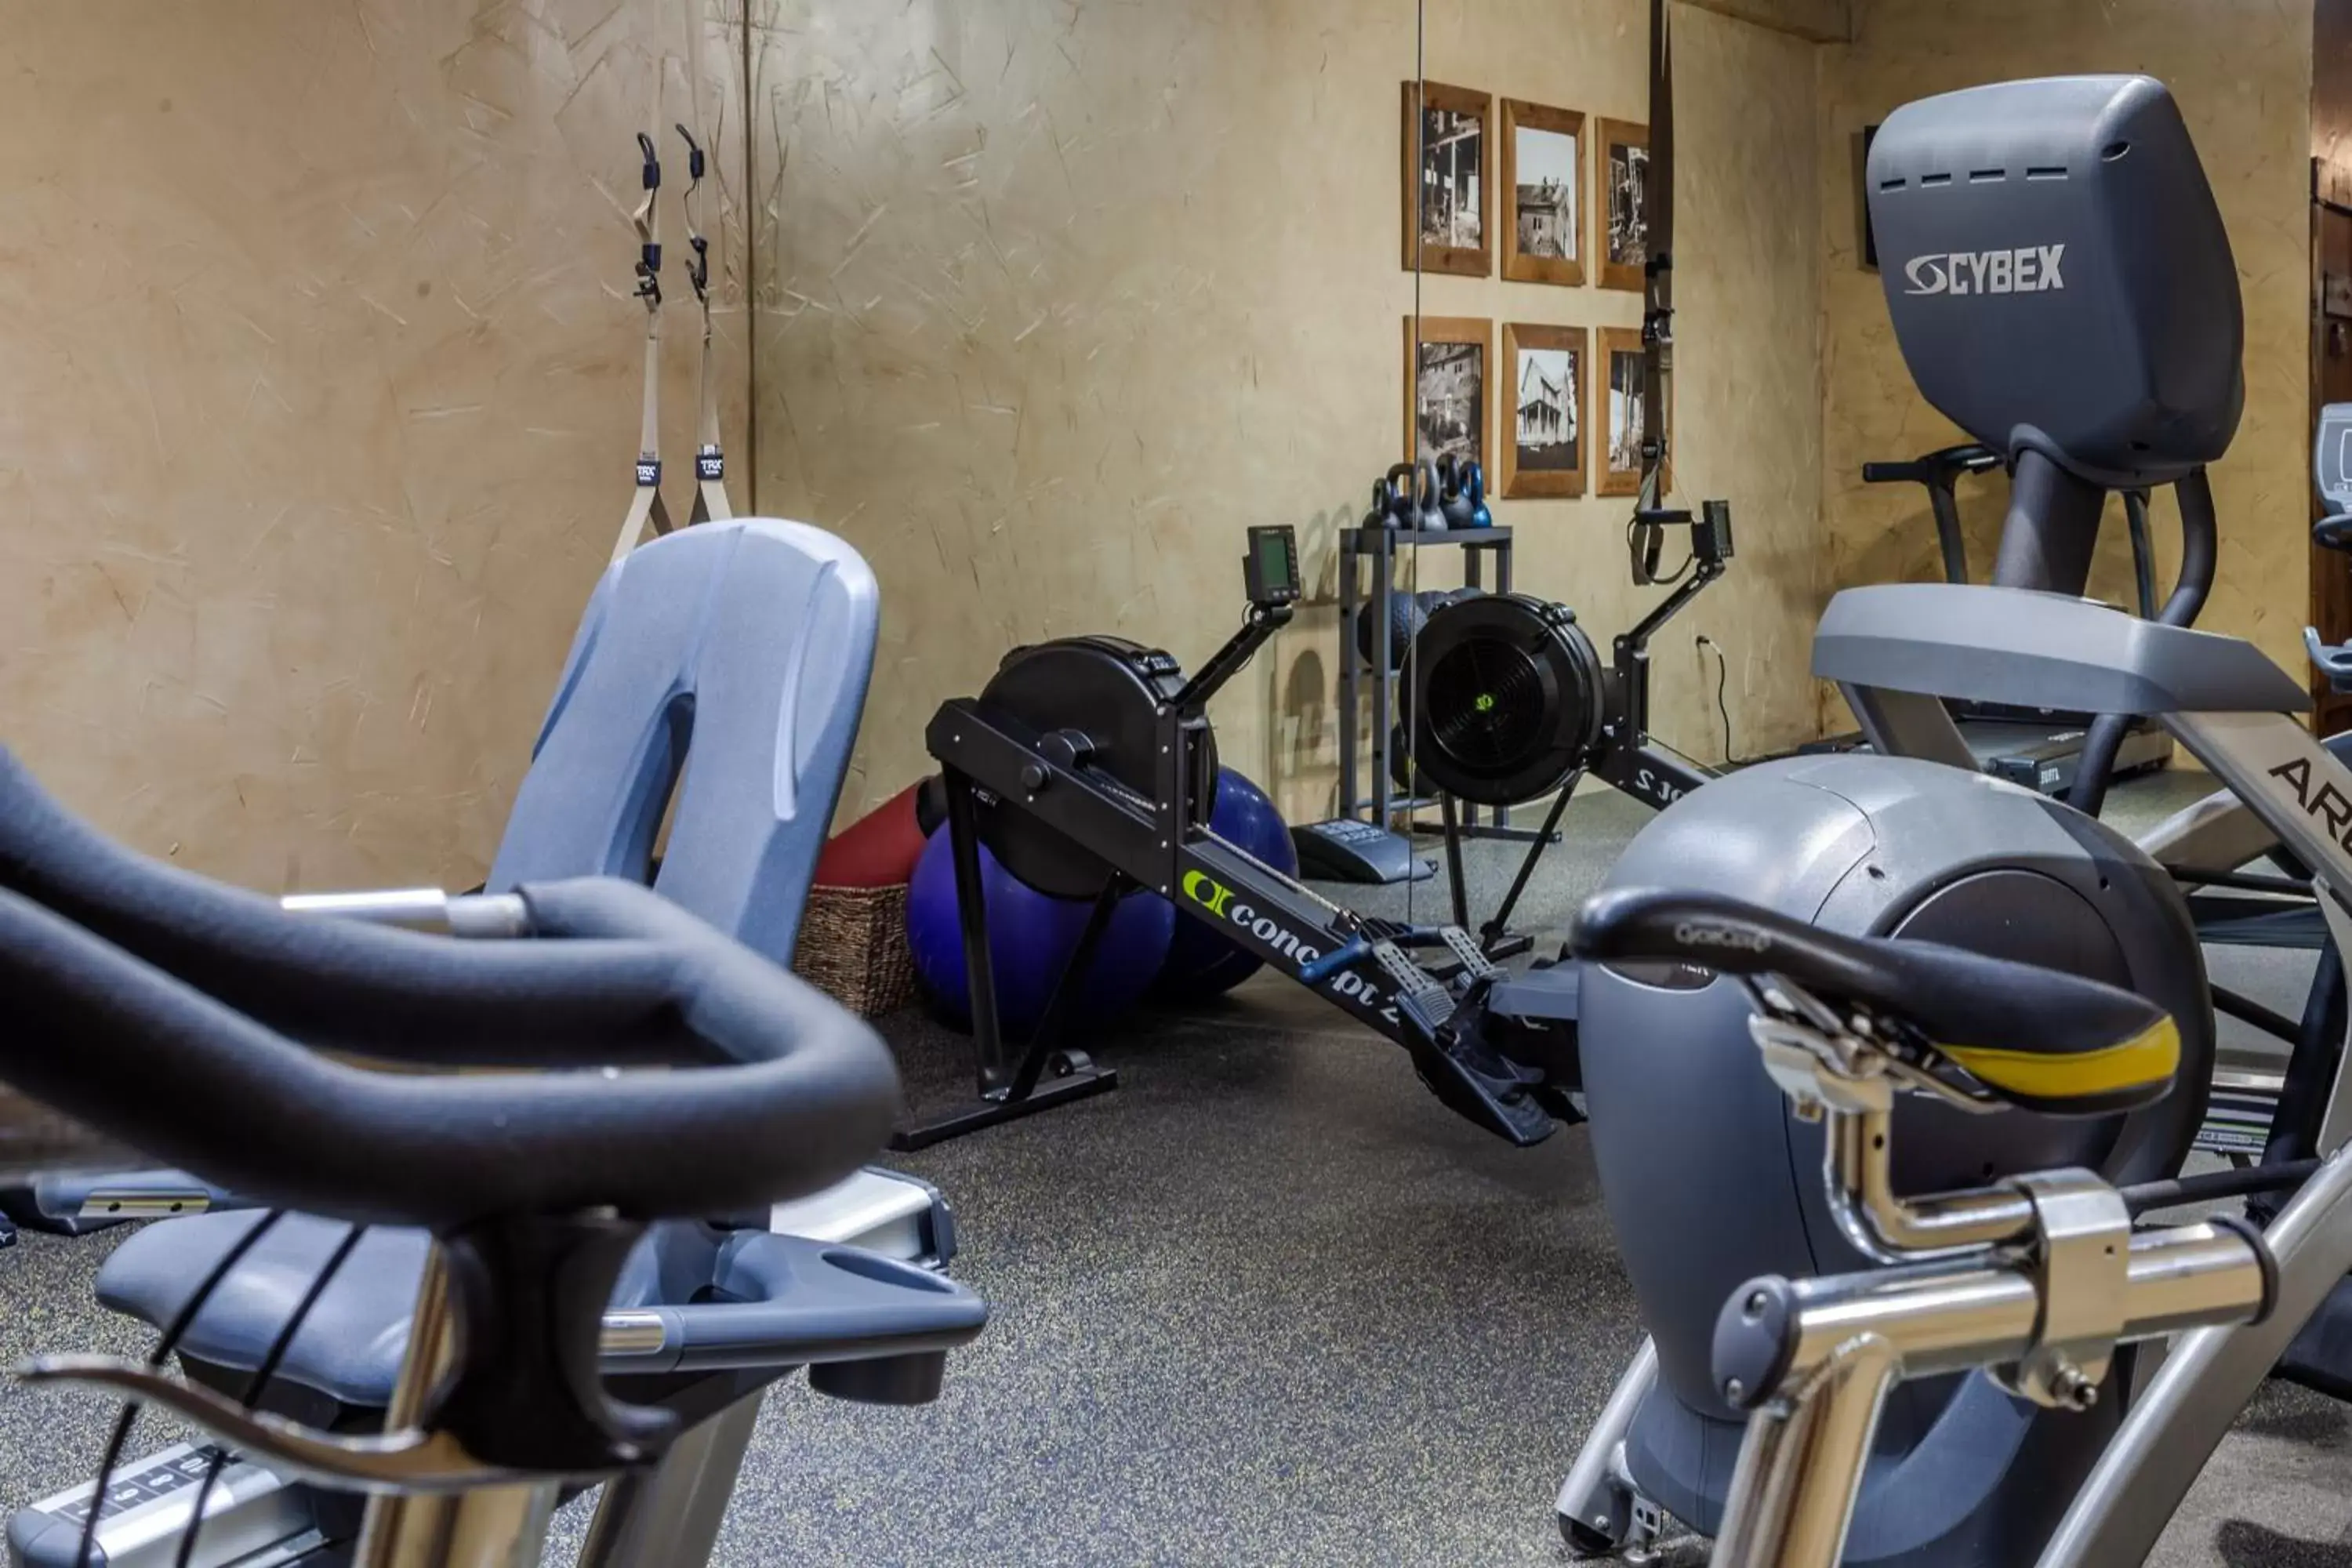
<point x="1082" y="1080"/>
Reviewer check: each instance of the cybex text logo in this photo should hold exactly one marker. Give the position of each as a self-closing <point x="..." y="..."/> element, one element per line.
<point x="2028" y="270"/>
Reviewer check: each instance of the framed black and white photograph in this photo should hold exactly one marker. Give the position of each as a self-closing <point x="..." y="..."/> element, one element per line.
<point x="1622" y="158"/>
<point x="1544" y="454"/>
<point x="1447" y="395"/>
<point x="1447" y="195"/>
<point x="1619" y="375"/>
<point x="1543" y="177"/>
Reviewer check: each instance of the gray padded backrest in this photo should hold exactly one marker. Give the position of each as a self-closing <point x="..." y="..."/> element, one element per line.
<point x="737" y="654"/>
<point x="2041" y="650"/>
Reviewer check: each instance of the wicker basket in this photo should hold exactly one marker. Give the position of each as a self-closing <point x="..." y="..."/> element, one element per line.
<point x="853" y="946"/>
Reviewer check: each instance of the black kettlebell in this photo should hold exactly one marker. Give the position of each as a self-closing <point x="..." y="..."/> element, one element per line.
<point x="1417" y="504"/>
<point x="1456" y="499"/>
<point x="1384" y="510"/>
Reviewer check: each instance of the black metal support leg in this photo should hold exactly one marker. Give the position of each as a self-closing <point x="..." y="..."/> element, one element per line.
<point x="972" y="916"/>
<point x="1007" y="1091"/>
<point x="1383" y="667"/>
<point x="1495" y="933"/>
<point x="1046" y="1041"/>
<point x="1454" y="862"/>
<point x="1350" y="691"/>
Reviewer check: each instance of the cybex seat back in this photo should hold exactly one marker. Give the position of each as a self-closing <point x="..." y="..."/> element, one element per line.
<point x="2061" y="283"/>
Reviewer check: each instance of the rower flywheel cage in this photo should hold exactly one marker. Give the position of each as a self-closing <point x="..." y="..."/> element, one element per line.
<point x="1096" y="702"/>
<point x="1511" y="702"/>
<point x="1508" y="694"/>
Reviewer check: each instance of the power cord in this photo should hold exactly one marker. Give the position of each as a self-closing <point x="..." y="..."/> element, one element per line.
<point x="1731" y="759"/>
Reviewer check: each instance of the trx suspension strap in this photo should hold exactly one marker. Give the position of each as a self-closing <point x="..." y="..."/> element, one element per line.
<point x="1644" y="533"/>
<point x="646" y="506"/>
<point x="709" y="462"/>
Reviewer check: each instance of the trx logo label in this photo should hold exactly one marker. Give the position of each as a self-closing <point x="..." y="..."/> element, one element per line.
<point x="2028" y="270"/>
<point x="2327" y="805"/>
<point x="1694" y="936"/>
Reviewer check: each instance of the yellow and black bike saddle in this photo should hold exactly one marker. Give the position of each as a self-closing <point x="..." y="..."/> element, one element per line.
<point x="2038" y="1038"/>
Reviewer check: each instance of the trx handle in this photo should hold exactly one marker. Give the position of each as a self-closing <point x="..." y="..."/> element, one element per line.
<point x="647" y="218"/>
<point x="698" y="271"/>
<point x="711" y="500"/>
<point x="646" y="505"/>
<point x="1645" y="531"/>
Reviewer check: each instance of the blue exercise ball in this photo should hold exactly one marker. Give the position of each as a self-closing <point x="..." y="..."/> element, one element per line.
<point x="1030" y="938"/>
<point x="1202" y="960"/>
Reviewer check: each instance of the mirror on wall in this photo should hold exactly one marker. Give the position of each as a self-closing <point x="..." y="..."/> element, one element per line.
<point x="1051" y="309"/>
<point x="1525" y="202"/>
<point x="1052" y="304"/>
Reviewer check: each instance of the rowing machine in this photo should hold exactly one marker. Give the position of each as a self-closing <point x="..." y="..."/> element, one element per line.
<point x="1087" y="766"/>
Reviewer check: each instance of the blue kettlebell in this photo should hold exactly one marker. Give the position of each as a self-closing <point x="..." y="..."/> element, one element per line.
<point x="1466" y="496"/>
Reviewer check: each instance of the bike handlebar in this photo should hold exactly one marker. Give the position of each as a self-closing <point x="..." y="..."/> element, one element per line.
<point x="147" y="1057"/>
<point x="1934" y="468"/>
<point x="187" y="1019"/>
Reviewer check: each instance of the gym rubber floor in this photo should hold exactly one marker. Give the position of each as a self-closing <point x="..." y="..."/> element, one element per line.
<point x="1266" y="1303"/>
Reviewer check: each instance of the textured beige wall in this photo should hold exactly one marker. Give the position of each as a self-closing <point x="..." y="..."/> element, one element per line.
<point x="2241" y="72"/>
<point x="318" y="400"/>
<point x="1053" y="302"/>
<point x="322" y="381"/>
<point x="1823" y="21"/>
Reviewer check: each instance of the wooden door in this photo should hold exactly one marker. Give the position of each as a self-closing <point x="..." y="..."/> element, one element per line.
<point x="2331" y="382"/>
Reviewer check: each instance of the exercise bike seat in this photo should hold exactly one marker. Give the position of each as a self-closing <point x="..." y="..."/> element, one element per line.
<point x="2037" y="1038"/>
<point x="736" y="1307"/>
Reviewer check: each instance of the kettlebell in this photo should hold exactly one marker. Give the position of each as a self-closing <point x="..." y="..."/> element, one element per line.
<point x="1416" y="488"/>
<point x="1383" y="511"/>
<point x="1473" y="485"/>
<point x="1457" y="502"/>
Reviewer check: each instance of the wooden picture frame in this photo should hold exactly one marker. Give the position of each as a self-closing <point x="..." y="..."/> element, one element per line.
<point x="1547" y="410"/>
<point x="1619" y="256"/>
<point x="1456" y="428"/>
<point x="1437" y="208"/>
<point x="1543" y="217"/>
<point x="1618" y="344"/>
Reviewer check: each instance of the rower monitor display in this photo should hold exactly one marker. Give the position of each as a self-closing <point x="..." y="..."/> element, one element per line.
<point x="1271" y="568"/>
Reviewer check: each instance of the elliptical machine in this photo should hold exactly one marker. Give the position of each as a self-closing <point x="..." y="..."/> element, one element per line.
<point x="2098" y="349"/>
<point x="2038" y="747"/>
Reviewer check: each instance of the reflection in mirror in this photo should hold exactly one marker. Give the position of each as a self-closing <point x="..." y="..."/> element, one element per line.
<point x="1053" y="307"/>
